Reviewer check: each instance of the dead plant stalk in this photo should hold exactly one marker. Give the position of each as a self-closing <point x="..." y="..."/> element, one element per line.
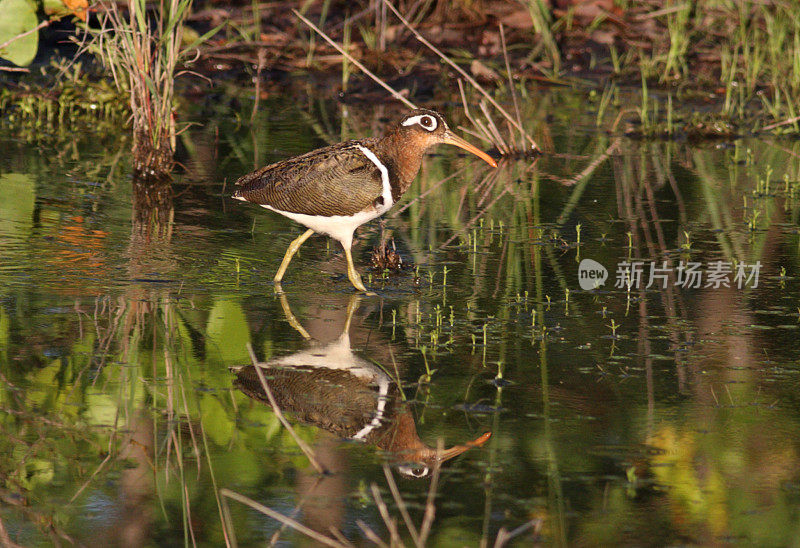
<point x="463" y="73"/>
<point x="297" y="526"/>
<point x="491" y="134"/>
<point x="357" y="63"/>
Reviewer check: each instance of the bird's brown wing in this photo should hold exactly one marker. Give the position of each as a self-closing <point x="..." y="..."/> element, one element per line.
<point x="335" y="180"/>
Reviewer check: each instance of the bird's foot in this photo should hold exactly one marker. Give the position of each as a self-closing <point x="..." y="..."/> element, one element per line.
<point x="357" y="283"/>
<point x="353" y="275"/>
<point x="355" y="279"/>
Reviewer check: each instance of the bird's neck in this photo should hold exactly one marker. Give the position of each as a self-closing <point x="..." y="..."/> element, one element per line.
<point x="403" y="161"/>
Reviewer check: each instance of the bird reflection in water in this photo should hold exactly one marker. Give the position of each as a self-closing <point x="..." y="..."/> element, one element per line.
<point x="332" y="388"/>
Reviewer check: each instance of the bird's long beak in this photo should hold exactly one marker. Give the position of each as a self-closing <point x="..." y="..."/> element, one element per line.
<point x="452" y="139"/>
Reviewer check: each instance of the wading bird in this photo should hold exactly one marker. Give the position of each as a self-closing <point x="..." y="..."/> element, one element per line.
<point x="335" y="189"/>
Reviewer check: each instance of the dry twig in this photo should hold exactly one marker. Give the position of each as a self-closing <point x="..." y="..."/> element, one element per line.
<point x="430" y="507"/>
<point x="463" y="73"/>
<point x="41" y="25"/>
<point x="297" y="526"/>
<point x="401" y="504"/>
<point x="357" y="63"/>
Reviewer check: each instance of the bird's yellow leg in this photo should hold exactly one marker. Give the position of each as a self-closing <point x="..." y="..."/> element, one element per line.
<point x="293" y="247"/>
<point x="352" y="273"/>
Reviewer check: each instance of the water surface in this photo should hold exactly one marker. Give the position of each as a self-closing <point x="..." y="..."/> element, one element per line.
<point x="621" y="415"/>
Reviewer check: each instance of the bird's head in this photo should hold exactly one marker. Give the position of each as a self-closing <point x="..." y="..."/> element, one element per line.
<point x="426" y="128"/>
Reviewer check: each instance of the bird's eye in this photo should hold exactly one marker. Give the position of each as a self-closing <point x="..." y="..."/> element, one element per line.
<point x="426" y="121"/>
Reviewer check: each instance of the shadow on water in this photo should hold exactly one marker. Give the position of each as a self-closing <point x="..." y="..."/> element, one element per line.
<point x="627" y="414"/>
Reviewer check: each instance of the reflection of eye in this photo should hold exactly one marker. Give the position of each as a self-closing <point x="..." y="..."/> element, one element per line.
<point x="414" y="470"/>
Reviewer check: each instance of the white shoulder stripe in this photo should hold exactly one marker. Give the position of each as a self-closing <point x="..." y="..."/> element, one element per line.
<point x="387" y="186"/>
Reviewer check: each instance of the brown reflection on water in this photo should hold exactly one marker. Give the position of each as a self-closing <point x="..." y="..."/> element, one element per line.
<point x="152" y="219"/>
<point x="138" y="310"/>
<point x="133" y="524"/>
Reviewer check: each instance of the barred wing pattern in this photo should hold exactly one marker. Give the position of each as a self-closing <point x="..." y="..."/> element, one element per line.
<point x="335" y="180"/>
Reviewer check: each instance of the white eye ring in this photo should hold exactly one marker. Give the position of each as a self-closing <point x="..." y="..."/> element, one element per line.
<point x="422" y="120"/>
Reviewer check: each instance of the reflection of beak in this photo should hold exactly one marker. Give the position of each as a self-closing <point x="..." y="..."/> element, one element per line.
<point x="451" y="139"/>
<point x="420" y="462"/>
<point x="458" y="449"/>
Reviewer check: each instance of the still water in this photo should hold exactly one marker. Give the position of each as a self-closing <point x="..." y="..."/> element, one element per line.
<point x="130" y="413"/>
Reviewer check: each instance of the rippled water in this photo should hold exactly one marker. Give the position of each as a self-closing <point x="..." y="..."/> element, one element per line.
<point x="620" y="415"/>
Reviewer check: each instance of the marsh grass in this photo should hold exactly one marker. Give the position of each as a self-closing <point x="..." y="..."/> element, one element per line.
<point x="50" y="106"/>
<point x="545" y="27"/>
<point x="516" y="122"/>
<point x="750" y="48"/>
<point x="355" y="62"/>
<point x="143" y="51"/>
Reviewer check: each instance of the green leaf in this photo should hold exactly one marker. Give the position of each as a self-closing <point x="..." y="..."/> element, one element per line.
<point x="55" y="9"/>
<point x="198" y="41"/>
<point x="18" y="17"/>
<point x="52" y="7"/>
<point x="35" y="473"/>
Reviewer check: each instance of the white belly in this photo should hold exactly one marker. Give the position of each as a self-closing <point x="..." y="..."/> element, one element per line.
<point x="338" y="227"/>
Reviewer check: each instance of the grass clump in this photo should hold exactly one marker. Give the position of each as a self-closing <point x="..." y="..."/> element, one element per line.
<point x="745" y="52"/>
<point x="143" y="50"/>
